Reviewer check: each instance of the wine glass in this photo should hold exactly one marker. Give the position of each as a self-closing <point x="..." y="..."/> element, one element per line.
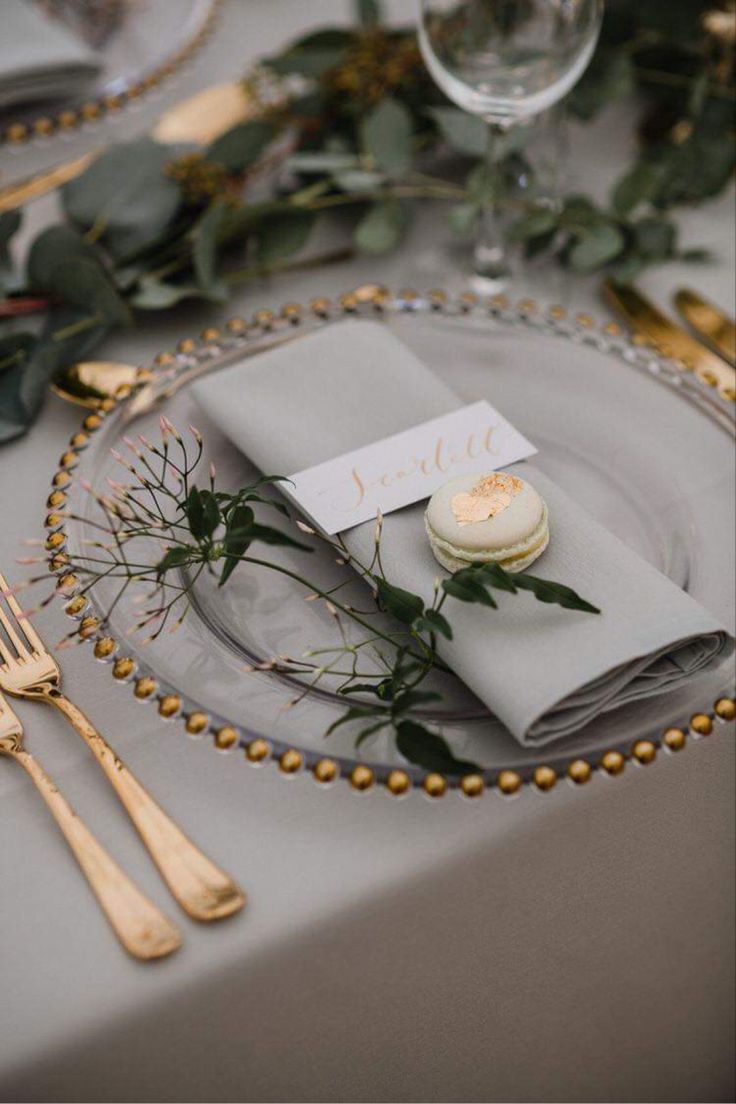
<point x="505" y="61"/>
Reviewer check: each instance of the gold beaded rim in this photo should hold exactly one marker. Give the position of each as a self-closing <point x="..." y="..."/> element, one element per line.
<point x="258" y="749"/>
<point x="19" y="131"/>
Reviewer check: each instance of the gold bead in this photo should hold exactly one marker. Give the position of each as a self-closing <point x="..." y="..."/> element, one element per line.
<point x="371" y="293"/>
<point x="585" y="320"/>
<point x="54" y="541"/>
<point x="187" y="345"/>
<point x="557" y="312"/>
<point x="52" y="520"/>
<point x="398" y="782"/>
<point x="43" y="126"/>
<point x="362" y="777"/>
<point x="79" y="440"/>
<point x="236" y="325"/>
<point x="113" y="103"/>
<point x="163" y="360"/>
<point x="143" y="375"/>
<point x="612" y="329"/>
<point x="725" y="709"/>
<point x="472" y="785"/>
<point x="527" y="306"/>
<point x="88" y="627"/>
<point x="76" y="605"/>
<point x="55" y="499"/>
<point x="17" y="132"/>
<point x="121" y="392"/>
<point x="579" y="772"/>
<point x="169" y="705"/>
<point x="90" y="111"/>
<point x="508" y="782"/>
<point x="499" y="301"/>
<point x="226" y="737"/>
<point x="326" y="770"/>
<point x="349" y="302"/>
<point x="644" y="752"/>
<point x="434" y="785"/>
<point x="702" y="724"/>
<point x="613" y="762"/>
<point x="196" y="723"/>
<point x="144" y="687"/>
<point x="67" y="119"/>
<point x="544" y="778"/>
<point x="291" y="311"/>
<point x="109" y="403"/>
<point x="105" y="647"/>
<point x="66" y="582"/>
<point x="320" y="306"/>
<point x="674" y="739"/>
<point x="92" y="422"/>
<point x="68" y="459"/>
<point x="61" y="479"/>
<point x="211" y="333"/>
<point x="437" y="297"/>
<point x="264" y="318"/>
<point x="123" y="668"/>
<point x="291" y="761"/>
<point x="57" y="562"/>
<point x="258" y="750"/>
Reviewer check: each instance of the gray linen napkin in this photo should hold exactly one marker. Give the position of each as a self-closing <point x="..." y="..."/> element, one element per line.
<point x="544" y="671"/>
<point x="39" y="57"/>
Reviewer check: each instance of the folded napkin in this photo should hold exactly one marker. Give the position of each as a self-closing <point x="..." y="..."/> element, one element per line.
<point x="542" y="670"/>
<point x="39" y="58"/>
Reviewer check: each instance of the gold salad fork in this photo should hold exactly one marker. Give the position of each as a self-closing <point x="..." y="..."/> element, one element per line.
<point x="142" y="929"/>
<point x="27" y="670"/>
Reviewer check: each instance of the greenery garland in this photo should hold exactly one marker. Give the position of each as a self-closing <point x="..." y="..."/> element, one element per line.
<point x="148" y="226"/>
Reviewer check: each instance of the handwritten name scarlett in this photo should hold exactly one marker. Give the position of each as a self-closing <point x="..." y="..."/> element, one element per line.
<point x="440" y="459"/>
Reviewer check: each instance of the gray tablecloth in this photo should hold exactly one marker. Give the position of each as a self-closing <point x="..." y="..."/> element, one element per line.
<point x="570" y="946"/>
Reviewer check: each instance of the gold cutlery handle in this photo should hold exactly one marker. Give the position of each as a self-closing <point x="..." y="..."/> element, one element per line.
<point x="202" y="889"/>
<point x="142" y="929"/>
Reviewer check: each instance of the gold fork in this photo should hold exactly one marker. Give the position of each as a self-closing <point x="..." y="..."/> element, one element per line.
<point x="27" y="670"/>
<point x="142" y="929"/>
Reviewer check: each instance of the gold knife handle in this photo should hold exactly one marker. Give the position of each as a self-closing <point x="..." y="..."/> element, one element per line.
<point x="142" y="929"/>
<point x="203" y="890"/>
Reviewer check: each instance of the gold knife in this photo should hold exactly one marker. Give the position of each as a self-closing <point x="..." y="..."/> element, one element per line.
<point x="669" y="338"/>
<point x="715" y="327"/>
<point x="200" y="119"/>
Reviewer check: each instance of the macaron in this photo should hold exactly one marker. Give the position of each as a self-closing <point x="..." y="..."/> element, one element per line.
<point x="490" y="518"/>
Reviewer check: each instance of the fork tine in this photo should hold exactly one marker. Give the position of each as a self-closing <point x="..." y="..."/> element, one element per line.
<point x="21" y="650"/>
<point x="23" y="622"/>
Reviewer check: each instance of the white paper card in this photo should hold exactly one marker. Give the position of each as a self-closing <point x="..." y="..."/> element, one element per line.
<point x="406" y="467"/>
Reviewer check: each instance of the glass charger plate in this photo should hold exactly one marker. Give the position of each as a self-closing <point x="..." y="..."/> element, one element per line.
<point x="153" y="39"/>
<point x="646" y="447"/>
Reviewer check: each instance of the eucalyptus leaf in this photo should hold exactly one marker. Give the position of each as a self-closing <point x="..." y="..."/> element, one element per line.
<point x="429" y="750"/>
<point x="534" y="225"/>
<point x="464" y="132"/>
<point x="382" y="228"/>
<point x="282" y="234"/>
<point x="314" y="54"/>
<point x="637" y="186"/>
<point x="82" y="282"/>
<point x="125" y="197"/>
<point x="386" y="136"/>
<point x="464" y="218"/>
<point x="238" y="148"/>
<point x="598" y="245"/>
<point x="358" y="180"/>
<point x="204" y="251"/>
<point x="656" y="238"/>
<point x="152" y="294"/>
<point x="10" y="222"/>
<point x="49" y="250"/>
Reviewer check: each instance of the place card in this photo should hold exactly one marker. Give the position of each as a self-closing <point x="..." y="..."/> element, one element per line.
<point x="406" y="467"/>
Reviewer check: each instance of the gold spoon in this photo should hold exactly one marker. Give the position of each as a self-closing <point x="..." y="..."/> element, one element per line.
<point x="90" y="382"/>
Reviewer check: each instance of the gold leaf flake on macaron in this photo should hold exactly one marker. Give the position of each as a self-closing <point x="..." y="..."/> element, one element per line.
<point x="489" y="497"/>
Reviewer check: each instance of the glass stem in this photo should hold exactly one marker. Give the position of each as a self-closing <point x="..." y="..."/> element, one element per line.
<point x="491" y="260"/>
